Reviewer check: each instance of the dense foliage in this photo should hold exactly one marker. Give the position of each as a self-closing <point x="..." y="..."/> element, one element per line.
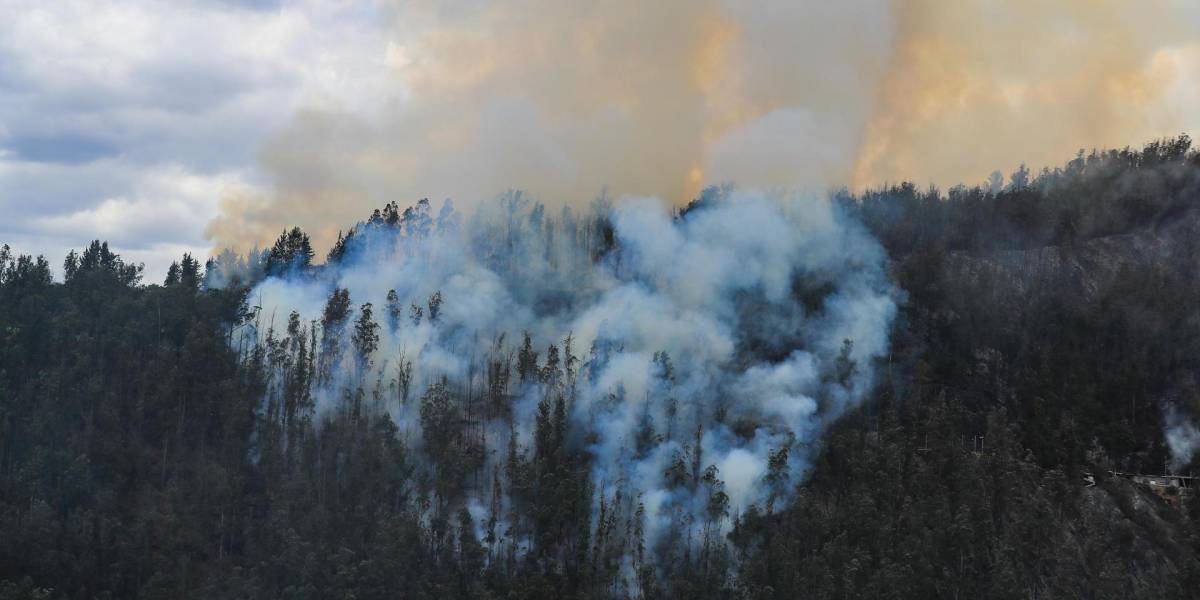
<point x="149" y="450"/>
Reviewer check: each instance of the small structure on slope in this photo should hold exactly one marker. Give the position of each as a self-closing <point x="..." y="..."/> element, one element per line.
<point x="1173" y="489"/>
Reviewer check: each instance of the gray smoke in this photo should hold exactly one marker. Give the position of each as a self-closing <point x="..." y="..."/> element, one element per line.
<point x="727" y="338"/>
<point x="1182" y="436"/>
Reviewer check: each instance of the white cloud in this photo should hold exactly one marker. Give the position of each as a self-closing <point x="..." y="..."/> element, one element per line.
<point x="150" y="214"/>
<point x="164" y="202"/>
<point x="127" y="121"/>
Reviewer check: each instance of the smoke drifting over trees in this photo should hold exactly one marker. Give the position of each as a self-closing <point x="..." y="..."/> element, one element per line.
<point x="716" y="341"/>
<point x="901" y="392"/>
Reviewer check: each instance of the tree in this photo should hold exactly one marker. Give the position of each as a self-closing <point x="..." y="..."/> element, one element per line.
<point x="341" y="247"/>
<point x="416" y="221"/>
<point x="844" y="366"/>
<point x="717" y="506"/>
<point x="470" y="551"/>
<point x="440" y="419"/>
<point x="366" y="337"/>
<point x="189" y="273"/>
<point x="172" y="275"/>
<point x="527" y="367"/>
<point x="394" y="310"/>
<point x="435" y="306"/>
<point x="292" y="252"/>
<point x="333" y="321"/>
<point x="550" y="374"/>
<point x="99" y="266"/>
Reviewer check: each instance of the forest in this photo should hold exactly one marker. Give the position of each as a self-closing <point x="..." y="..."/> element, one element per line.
<point x="898" y="393"/>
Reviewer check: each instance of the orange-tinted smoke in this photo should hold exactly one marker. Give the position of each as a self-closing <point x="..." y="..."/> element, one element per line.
<point x="564" y="99"/>
<point x="978" y="85"/>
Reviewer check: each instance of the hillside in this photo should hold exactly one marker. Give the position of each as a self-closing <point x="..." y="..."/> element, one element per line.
<point x="969" y="477"/>
<point x="914" y="415"/>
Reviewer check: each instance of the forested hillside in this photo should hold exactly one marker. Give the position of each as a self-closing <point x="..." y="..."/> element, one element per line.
<point x="251" y="428"/>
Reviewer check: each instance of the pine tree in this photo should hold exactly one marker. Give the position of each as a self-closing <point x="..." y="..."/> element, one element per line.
<point x="845" y="366"/>
<point x="439" y="420"/>
<point x="189" y="272"/>
<point x="340" y="247"/>
<point x="435" y="306"/>
<point x="366" y="337"/>
<point x="550" y="374"/>
<point x="333" y="321"/>
<point x="527" y="367"/>
<point x="394" y="310"/>
<point x="172" y="275"/>
<point x="292" y="252"/>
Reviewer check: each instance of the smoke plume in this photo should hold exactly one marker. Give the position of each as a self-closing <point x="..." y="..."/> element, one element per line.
<point x="977" y="85"/>
<point x="562" y="99"/>
<point x="696" y="358"/>
<point x="1182" y="436"/>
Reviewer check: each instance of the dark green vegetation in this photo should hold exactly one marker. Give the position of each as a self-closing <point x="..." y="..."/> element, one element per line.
<point x="1048" y="323"/>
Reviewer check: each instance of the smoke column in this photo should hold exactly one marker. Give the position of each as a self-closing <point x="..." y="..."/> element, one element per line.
<point x="975" y="86"/>
<point x="563" y="98"/>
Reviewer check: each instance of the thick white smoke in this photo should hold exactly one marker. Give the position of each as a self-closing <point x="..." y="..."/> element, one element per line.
<point x="729" y="336"/>
<point x="1182" y="436"/>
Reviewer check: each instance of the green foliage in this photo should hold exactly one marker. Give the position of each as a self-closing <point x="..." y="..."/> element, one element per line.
<point x="366" y="336"/>
<point x="292" y="251"/>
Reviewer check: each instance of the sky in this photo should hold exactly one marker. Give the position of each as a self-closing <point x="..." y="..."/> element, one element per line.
<point x="188" y="125"/>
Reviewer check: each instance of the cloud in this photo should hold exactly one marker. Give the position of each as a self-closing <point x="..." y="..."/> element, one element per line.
<point x="151" y="214"/>
<point x="61" y="149"/>
<point x="114" y="115"/>
<point x="165" y="203"/>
